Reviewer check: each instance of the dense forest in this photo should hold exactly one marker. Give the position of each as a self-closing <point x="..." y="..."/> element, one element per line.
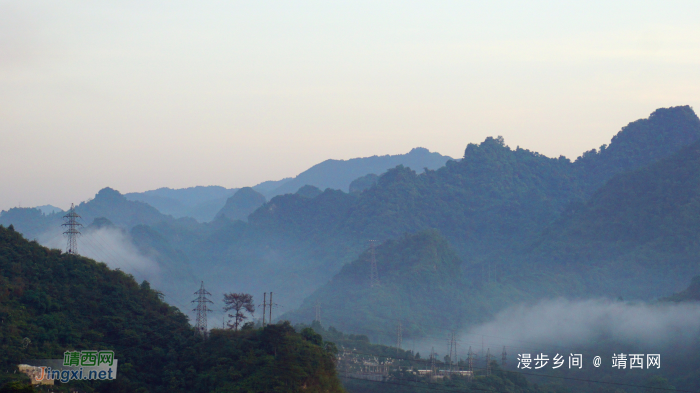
<point x="51" y="302"/>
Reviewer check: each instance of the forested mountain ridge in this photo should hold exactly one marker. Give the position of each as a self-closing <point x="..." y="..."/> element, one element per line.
<point x="656" y="203"/>
<point x="338" y="174"/>
<point x="63" y="302"/>
<point x="501" y="208"/>
<point x="200" y="203"/>
<point x="117" y="208"/>
<point x="494" y="193"/>
<point x="419" y="278"/>
<point x="491" y="206"/>
<point x="636" y="237"/>
<point x="494" y="196"/>
<point x="241" y="204"/>
<point x="107" y="203"/>
<point x="640" y="143"/>
<point x="643" y="225"/>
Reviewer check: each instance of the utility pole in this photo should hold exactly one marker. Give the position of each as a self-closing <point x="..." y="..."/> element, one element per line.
<point x="432" y="363"/>
<point x="398" y="339"/>
<point x="373" y="273"/>
<point x="264" y="305"/>
<point x="270" y="319"/>
<point x="202" y="311"/>
<point x="72" y="232"/>
<point x="504" y="355"/>
<point x="317" y="309"/>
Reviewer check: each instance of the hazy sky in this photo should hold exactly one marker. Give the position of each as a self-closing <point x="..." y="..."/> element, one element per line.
<point x="138" y="95"/>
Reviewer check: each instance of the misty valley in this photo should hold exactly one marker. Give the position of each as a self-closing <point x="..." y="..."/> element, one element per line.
<point x="502" y="270"/>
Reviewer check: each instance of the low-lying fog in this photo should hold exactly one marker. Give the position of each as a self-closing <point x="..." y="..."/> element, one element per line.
<point x="112" y="246"/>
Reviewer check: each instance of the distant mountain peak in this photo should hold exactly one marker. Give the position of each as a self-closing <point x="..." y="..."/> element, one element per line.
<point x="489" y="144"/>
<point x="309" y="191"/>
<point x="338" y="174"/>
<point x="241" y="204"/>
<point x="641" y="143"/>
<point x="49" y="209"/>
<point x="200" y="202"/>
<point x="108" y="193"/>
<point x="419" y="150"/>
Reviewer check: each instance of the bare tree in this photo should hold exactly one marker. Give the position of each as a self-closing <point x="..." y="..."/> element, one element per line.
<point x="240" y="303"/>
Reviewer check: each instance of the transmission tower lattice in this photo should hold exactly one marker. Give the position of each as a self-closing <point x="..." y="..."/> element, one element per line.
<point x="72" y="232"/>
<point x="453" y="350"/>
<point x="373" y="274"/>
<point x="202" y="309"/>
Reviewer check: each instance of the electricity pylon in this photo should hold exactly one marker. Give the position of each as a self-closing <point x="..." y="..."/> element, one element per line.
<point x="72" y="232"/>
<point x="202" y="309"/>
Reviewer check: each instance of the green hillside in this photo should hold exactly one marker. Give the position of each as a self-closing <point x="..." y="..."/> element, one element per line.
<point x="640" y="143"/>
<point x="420" y="285"/>
<point x="62" y="302"/>
<point x="494" y="199"/>
<point x="638" y="236"/>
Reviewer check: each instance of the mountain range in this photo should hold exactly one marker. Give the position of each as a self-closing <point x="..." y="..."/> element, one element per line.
<point x="204" y="203"/>
<point x="510" y="224"/>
